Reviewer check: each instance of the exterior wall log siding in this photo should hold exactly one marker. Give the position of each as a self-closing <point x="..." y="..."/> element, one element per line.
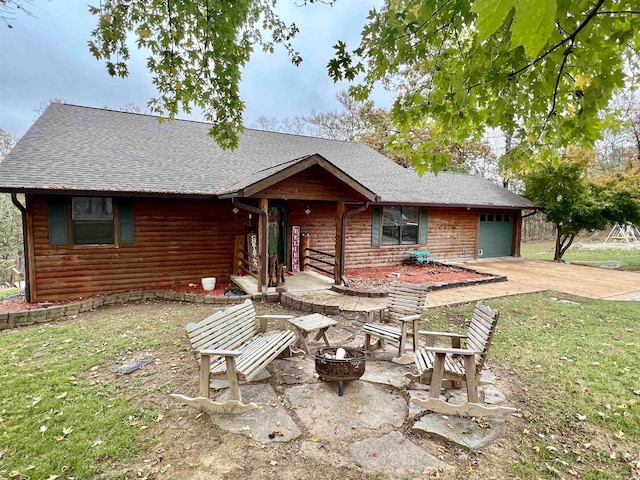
<point x="177" y="242"/>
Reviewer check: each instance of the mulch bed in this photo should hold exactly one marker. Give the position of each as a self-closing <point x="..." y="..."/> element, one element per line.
<point x="372" y="278"/>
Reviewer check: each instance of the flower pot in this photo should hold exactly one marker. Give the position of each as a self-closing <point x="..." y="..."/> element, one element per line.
<point x="209" y="283"/>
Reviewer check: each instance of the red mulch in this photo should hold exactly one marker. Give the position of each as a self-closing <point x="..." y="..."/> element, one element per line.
<point x="369" y="278"/>
<point x="19" y="304"/>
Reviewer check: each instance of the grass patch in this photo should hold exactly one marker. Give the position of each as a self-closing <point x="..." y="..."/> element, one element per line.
<point x="54" y="420"/>
<point x="629" y="258"/>
<point x="5" y="292"/>
<point x="576" y="366"/>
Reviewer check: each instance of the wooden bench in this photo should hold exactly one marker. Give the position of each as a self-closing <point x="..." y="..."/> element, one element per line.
<point x="405" y="305"/>
<point x="457" y="364"/>
<point x="235" y="341"/>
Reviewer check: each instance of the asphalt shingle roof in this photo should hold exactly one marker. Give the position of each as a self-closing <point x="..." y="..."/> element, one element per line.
<point x="88" y="149"/>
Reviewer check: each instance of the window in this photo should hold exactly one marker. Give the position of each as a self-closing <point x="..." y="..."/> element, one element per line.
<point x="91" y="221"/>
<point x="399" y="225"/>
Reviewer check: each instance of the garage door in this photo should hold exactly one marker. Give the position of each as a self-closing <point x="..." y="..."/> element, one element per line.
<point x="496" y="235"/>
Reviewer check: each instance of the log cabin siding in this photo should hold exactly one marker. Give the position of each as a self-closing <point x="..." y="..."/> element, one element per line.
<point x="451" y="235"/>
<point x="177" y="242"/>
<point x="315" y="183"/>
<point x="320" y="224"/>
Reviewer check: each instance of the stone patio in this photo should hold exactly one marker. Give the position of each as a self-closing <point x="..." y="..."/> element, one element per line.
<point x="366" y="426"/>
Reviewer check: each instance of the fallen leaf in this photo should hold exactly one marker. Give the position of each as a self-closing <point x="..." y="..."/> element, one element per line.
<point x="580" y="417"/>
<point x="67" y="431"/>
<point x="43" y="428"/>
<point x="36" y="401"/>
<point x="273" y="463"/>
<point x="314" y="439"/>
<point x="61" y="396"/>
<point x="67" y="340"/>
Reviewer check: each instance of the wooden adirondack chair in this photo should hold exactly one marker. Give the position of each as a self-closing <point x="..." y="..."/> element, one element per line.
<point x="241" y="349"/>
<point x="457" y="364"/>
<point x="405" y="306"/>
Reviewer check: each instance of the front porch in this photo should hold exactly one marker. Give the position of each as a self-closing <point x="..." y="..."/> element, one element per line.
<point x="306" y="281"/>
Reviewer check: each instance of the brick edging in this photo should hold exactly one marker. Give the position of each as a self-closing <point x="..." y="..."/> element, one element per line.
<point x="58" y="312"/>
<point x="296" y="303"/>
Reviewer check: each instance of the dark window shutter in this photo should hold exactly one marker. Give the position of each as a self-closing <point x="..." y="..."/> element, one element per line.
<point x="375" y="227"/>
<point x="58" y="222"/>
<point x="125" y="212"/>
<point x="423" y="226"/>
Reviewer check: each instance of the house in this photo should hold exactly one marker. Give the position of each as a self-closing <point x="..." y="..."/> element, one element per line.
<point x="117" y="201"/>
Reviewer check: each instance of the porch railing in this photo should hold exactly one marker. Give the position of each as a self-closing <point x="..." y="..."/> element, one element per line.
<point x="317" y="256"/>
<point x="245" y="263"/>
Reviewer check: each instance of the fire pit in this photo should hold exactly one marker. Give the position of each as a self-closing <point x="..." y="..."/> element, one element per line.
<point x="332" y="369"/>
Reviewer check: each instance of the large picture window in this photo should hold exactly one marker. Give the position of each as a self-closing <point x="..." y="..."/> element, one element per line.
<point x="92" y="220"/>
<point x="400" y="225"/>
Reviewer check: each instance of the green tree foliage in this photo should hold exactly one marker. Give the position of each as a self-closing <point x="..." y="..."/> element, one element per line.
<point x="197" y="49"/>
<point x="10" y="220"/>
<point x="539" y="70"/>
<point x="574" y="202"/>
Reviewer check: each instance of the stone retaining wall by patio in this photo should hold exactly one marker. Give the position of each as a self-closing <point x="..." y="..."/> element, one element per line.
<point x="53" y="313"/>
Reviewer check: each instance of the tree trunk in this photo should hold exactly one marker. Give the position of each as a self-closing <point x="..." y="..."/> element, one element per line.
<point x="562" y="244"/>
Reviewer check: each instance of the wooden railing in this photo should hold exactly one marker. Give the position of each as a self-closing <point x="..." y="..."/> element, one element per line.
<point x="316" y="256"/>
<point x="244" y="262"/>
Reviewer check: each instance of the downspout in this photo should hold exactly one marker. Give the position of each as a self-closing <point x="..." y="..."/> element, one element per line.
<point x="27" y="276"/>
<point x="263" y="243"/>
<point x="343" y="235"/>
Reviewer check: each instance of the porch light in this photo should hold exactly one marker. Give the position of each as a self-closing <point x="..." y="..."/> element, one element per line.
<point x="307" y="210"/>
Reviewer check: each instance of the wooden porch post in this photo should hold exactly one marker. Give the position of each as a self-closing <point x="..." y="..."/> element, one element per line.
<point x="305" y="241"/>
<point x="263" y="241"/>
<point x="337" y="267"/>
<point x="517" y="233"/>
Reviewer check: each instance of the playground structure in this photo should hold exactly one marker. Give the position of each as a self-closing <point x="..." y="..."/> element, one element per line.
<point x="627" y="233"/>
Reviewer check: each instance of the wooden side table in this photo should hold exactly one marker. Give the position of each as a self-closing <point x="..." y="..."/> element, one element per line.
<point x="308" y="323"/>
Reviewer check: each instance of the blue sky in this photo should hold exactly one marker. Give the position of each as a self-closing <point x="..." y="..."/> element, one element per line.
<point x="46" y="57"/>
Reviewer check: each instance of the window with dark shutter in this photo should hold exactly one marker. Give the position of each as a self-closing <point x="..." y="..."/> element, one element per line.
<point x="125" y="227"/>
<point x="375" y="226"/>
<point x="423" y="226"/>
<point x="58" y="221"/>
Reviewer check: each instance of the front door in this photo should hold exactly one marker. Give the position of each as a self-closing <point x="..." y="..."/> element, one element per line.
<point x="278" y="231"/>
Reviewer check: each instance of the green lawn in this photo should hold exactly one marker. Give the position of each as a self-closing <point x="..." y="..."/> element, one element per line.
<point x="629" y="258"/>
<point x="577" y="365"/>
<point x="5" y="292"/>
